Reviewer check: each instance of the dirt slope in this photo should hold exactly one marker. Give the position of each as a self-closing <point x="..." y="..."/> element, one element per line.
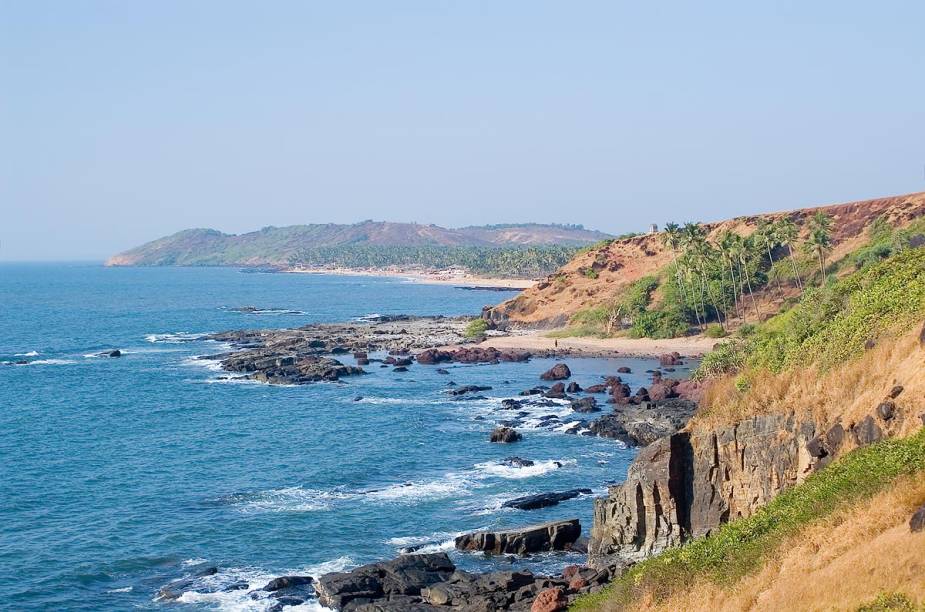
<point x="550" y="303"/>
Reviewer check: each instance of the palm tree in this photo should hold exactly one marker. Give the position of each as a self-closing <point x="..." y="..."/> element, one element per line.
<point x="820" y="238"/>
<point x="726" y="246"/>
<point x="786" y="231"/>
<point x="765" y="233"/>
<point x="742" y="248"/>
<point x="672" y="239"/>
<point x="694" y="238"/>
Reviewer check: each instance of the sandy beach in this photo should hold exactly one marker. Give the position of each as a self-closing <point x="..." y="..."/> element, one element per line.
<point x="641" y="347"/>
<point x="425" y="277"/>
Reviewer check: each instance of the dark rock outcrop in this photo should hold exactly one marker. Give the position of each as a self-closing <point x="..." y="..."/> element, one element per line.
<point x="543" y="500"/>
<point x="686" y="485"/>
<point x="556" y="535"/>
<point x="468" y="389"/>
<point x="505" y="435"/>
<point x="670" y="359"/>
<point x="917" y="522"/>
<point x="394" y="583"/>
<point x="560" y="371"/>
<point x="585" y="404"/>
<point x="644" y="425"/>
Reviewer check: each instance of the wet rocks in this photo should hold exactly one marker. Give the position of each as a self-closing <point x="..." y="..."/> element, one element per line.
<point x="518" y="462"/>
<point x="624" y="370"/>
<point x="601" y="388"/>
<point x="396" y="583"/>
<point x="556" y="535"/>
<point x="560" y="371"/>
<point x="670" y="359"/>
<point x="543" y="500"/>
<point x="286" y="582"/>
<point x="473" y="354"/>
<point x="585" y="404"/>
<point x="511" y="404"/>
<point x="643" y="425"/>
<point x="505" y="435"/>
<point x="573" y="387"/>
<point x="175" y="589"/>
<point x="557" y="391"/>
<point x="457" y="391"/>
<point x="290" y="369"/>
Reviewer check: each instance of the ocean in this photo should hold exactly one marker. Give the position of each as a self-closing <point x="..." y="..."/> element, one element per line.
<point x="119" y="476"/>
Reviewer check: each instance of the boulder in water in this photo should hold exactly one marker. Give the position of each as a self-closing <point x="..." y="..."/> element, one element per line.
<point x="560" y="371"/>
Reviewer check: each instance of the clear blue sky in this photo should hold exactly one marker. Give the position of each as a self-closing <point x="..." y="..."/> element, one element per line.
<point x="124" y="121"/>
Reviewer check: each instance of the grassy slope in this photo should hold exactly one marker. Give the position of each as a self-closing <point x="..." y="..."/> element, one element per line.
<point x="737" y="550"/>
<point x="814" y="359"/>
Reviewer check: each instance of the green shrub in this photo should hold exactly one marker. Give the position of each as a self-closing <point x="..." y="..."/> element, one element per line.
<point x="715" y="330"/>
<point x="591" y="273"/>
<point x="659" y="324"/>
<point x="832" y="324"/>
<point x="476" y="328"/>
<point x="890" y="602"/>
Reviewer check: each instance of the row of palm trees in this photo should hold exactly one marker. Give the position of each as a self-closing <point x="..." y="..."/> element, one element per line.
<point x="707" y="273"/>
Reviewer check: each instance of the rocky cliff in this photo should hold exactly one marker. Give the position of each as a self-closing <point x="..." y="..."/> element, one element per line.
<point x="686" y="485"/>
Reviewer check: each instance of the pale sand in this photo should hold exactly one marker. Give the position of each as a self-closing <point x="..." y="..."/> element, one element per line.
<point x="428" y="278"/>
<point x="536" y="341"/>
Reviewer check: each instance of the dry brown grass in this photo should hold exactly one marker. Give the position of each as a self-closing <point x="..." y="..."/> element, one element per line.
<point x="837" y="563"/>
<point x="849" y="392"/>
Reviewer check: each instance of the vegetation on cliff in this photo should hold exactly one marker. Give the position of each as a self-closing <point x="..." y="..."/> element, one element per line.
<point x="740" y="547"/>
<point x="732" y="273"/>
<point x="833" y="323"/>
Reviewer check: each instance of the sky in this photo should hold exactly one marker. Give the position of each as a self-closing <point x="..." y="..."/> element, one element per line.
<point x="124" y="121"/>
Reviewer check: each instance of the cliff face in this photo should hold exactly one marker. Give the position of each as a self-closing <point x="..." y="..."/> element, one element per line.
<point x="686" y="485"/>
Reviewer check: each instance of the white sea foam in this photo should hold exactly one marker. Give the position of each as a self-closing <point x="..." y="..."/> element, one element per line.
<point x="174" y="338"/>
<point x="127" y="589"/>
<point x="286" y="499"/>
<point x="213" y="365"/>
<point x="29" y="354"/>
<point x="49" y="362"/>
<point x="441" y="541"/>
<point x="502" y="470"/>
<point x="209" y="590"/>
<point x="409" y="492"/>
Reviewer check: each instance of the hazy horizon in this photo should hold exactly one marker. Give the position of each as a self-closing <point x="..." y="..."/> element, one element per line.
<point x="125" y="122"/>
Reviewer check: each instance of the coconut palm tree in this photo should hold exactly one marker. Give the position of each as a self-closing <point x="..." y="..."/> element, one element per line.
<point x="786" y="231"/>
<point x="765" y="234"/>
<point x="725" y="247"/>
<point x="820" y="238"/>
<point x="742" y="248"/>
<point x="671" y="238"/>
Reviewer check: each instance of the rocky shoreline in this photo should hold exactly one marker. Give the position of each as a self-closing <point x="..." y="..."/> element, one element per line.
<point x="413" y="581"/>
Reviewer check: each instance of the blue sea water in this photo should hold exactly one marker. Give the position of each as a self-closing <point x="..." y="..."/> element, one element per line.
<point x="118" y="476"/>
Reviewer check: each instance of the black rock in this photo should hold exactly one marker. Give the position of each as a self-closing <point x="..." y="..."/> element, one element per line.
<point x="505" y="435"/>
<point x="285" y="582"/>
<point x="585" y="404"/>
<point x="517" y="462"/>
<point x="543" y="500"/>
